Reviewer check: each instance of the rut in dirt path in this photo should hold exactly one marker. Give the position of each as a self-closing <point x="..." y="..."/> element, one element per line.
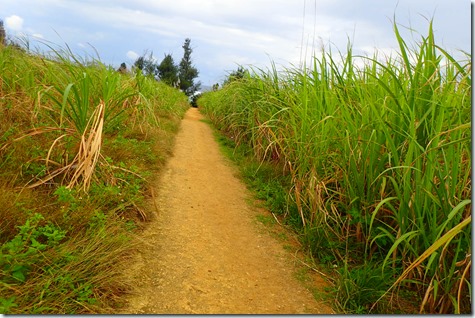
<point x="203" y="253"/>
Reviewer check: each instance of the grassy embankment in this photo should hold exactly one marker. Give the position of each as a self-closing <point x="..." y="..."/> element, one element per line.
<point x="79" y="146"/>
<point x="372" y="166"/>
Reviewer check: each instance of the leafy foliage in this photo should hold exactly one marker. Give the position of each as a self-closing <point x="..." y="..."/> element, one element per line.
<point x="168" y="71"/>
<point x="147" y="65"/>
<point x="238" y="74"/>
<point x="182" y="75"/>
<point x="187" y="72"/>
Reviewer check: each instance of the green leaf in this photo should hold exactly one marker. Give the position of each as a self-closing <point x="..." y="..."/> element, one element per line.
<point x="6" y="304"/>
<point x="19" y="272"/>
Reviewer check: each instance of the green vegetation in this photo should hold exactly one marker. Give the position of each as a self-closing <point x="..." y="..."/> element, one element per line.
<point x="187" y="72"/>
<point x="80" y="145"/>
<point x="235" y="75"/>
<point x="182" y="75"/>
<point x="168" y="71"/>
<point x="375" y="159"/>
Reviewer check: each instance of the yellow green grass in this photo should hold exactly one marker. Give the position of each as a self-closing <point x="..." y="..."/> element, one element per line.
<point x="80" y="144"/>
<point x="379" y="158"/>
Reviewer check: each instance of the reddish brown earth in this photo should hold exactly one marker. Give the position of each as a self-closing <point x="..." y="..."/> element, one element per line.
<point x="205" y="253"/>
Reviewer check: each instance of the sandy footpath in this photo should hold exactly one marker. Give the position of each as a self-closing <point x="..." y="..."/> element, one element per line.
<point x="204" y="254"/>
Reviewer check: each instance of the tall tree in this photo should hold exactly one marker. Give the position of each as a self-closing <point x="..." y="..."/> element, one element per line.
<point x="3" y="35"/>
<point x="168" y="71"/>
<point x="187" y="72"/>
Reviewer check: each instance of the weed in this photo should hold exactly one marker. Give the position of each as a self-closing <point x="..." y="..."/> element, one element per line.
<point x="375" y="156"/>
<point x="19" y="254"/>
<point x="87" y="141"/>
<point x="360" y="287"/>
<point x="265" y="219"/>
<point x="6" y="304"/>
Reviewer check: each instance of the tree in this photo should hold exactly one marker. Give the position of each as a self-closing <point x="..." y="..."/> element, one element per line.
<point x="168" y="71"/>
<point x="122" y="68"/>
<point x="236" y="75"/>
<point x="3" y="35"/>
<point x="146" y="64"/>
<point x="187" y="72"/>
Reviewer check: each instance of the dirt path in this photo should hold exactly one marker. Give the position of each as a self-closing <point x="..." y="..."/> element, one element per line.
<point x="204" y="254"/>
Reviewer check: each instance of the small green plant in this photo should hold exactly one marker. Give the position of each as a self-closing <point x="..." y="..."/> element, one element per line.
<point x="67" y="200"/>
<point x="6" y="304"/>
<point x="20" y="254"/>
<point x="98" y="221"/>
<point x="265" y="219"/>
<point x="359" y="287"/>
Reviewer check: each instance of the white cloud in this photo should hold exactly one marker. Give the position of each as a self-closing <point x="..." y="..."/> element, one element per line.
<point x="132" y="55"/>
<point x="14" y="23"/>
<point x="231" y="32"/>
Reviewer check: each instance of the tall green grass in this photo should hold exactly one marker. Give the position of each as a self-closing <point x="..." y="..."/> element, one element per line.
<point x="380" y="160"/>
<point x="80" y="145"/>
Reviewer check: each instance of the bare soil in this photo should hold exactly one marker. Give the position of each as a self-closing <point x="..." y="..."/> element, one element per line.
<point x="204" y="252"/>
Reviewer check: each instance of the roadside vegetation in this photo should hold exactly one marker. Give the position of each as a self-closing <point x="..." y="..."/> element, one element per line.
<point x="371" y="166"/>
<point x="80" y="145"/>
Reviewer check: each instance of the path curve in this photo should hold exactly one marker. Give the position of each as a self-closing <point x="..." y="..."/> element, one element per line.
<point x="203" y="254"/>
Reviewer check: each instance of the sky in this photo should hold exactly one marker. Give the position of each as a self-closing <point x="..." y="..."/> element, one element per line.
<point x="228" y="33"/>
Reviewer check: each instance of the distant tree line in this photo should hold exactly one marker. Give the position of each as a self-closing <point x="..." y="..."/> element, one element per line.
<point x="181" y="76"/>
<point x="8" y="41"/>
<point x="3" y="35"/>
<point x="236" y="75"/>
